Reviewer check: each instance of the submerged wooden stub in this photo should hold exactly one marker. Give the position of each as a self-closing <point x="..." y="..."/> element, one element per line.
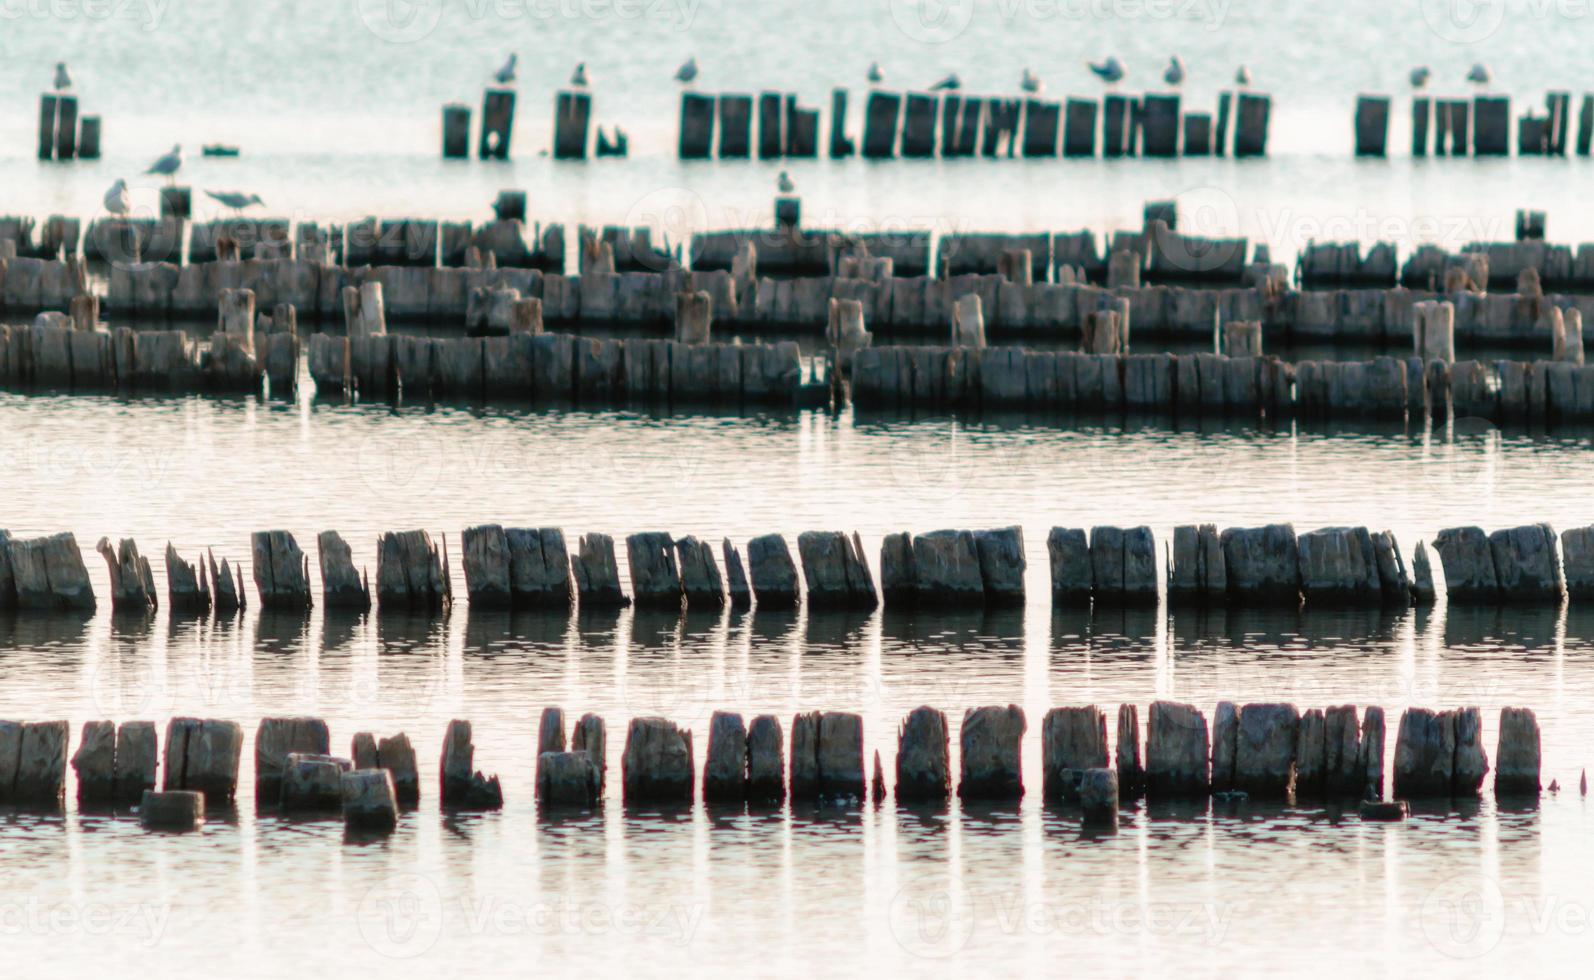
<point x="187" y="585"/>
<point x="1177" y="753"/>
<point x="989" y="750"/>
<point x="342" y="587"/>
<point x="924" y="770"/>
<point x="1073" y="740"/>
<point x="202" y="755"/>
<point x="773" y="573"/>
<point x="411" y="573"/>
<point x="656" y="766"/>
<point x="827" y="757"/>
<point x="33" y="762"/>
<point x="172" y="810"/>
<point x="1516" y="757"/>
<point x="394" y="754"/>
<point x="278" y="738"/>
<point x="281" y="570"/>
<point x="47" y="574"/>
<point x="312" y="781"/>
<point x="701" y="584"/>
<point x="835" y="571"/>
<point x="1439" y="754"/>
<point x="369" y="800"/>
<point x="597" y="574"/>
<point x="725" y="771"/>
<point x="766" y="761"/>
<point x="464" y="787"/>
<point x="655" y="579"/>
<point x="132" y="582"/>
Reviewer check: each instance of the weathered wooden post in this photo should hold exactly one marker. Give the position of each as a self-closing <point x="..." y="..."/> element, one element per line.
<point x="456" y="131"/>
<point x="47" y="115"/>
<point x="572" y="115"/>
<point x="498" y="123"/>
<point x="990" y="763"/>
<point x="1372" y="125"/>
<point x="697" y="126"/>
<point x="66" y="127"/>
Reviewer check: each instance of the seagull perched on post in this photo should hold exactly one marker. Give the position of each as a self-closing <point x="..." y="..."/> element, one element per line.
<point x="236" y="200"/>
<point x="687" y="73"/>
<point x="1420" y="76"/>
<point x="506" y="74"/>
<point x="116" y="198"/>
<point x="168" y="165"/>
<point x="784" y="184"/>
<point x="950" y="83"/>
<point x="1242" y="77"/>
<point x="1030" y="82"/>
<point x="63" y="78"/>
<point x="1480" y="74"/>
<point x="1174" y="75"/>
<point x="876" y="76"/>
<point x="1110" y="71"/>
<point x="579" y="77"/>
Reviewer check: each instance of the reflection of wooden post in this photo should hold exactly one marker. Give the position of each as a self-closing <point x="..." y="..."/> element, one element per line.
<point x="456" y="131"/>
<point x="65" y="127"/>
<point x="88" y="144"/>
<point x="498" y="120"/>
<point x="47" y="127"/>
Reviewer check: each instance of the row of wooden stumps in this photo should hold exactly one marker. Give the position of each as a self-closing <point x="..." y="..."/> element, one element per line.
<point x="922" y="124"/>
<point x="62" y="134"/>
<point x="1271" y="752"/>
<point x="1480" y="126"/>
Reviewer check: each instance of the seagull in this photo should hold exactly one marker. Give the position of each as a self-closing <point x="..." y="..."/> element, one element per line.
<point x="784" y="184"/>
<point x="116" y="198"/>
<point x="1242" y="77"/>
<point x="506" y="74"/>
<point x="876" y="76"/>
<point x="950" y="83"/>
<point x="579" y="78"/>
<point x="1109" y="71"/>
<point x="1420" y="76"/>
<point x="1480" y="75"/>
<point x="236" y="200"/>
<point x="687" y="72"/>
<point x="1175" y="72"/>
<point x="1030" y="82"/>
<point x="168" y="165"/>
<point x="63" y="78"/>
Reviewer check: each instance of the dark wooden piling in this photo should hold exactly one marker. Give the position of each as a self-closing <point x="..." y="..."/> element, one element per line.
<point x="1159" y="115"/>
<point x="572" y="116"/>
<point x="736" y="127"/>
<point x="1250" y="131"/>
<point x="841" y="145"/>
<point x="656" y="766"/>
<point x="771" y="132"/>
<point x="1491" y="126"/>
<point x="88" y="145"/>
<point x="1079" y="128"/>
<point x="1197" y="134"/>
<point x="1372" y="125"/>
<point x="66" y="127"/>
<point x="880" y="125"/>
<point x="1001" y="138"/>
<point x="697" y="126"/>
<point x="990" y="760"/>
<point x="47" y="115"/>
<point x="1041" y="121"/>
<point x="1115" y="126"/>
<point x="802" y="130"/>
<point x="918" y="126"/>
<point x="498" y="123"/>
<point x="1421" y="114"/>
<point x="456" y="131"/>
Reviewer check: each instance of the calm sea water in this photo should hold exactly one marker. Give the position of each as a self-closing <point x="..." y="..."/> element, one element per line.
<point x="989" y="890"/>
<point x="336" y="108"/>
<point x="338" y="119"/>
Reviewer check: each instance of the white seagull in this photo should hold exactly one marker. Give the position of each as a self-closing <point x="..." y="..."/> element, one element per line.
<point x="579" y="77"/>
<point x="784" y="184"/>
<point x="236" y="200"/>
<point x="1420" y="76"/>
<point x="116" y="198"/>
<point x="1242" y="77"/>
<point x="950" y="83"/>
<point x="506" y="74"/>
<point x="687" y="72"/>
<point x="1110" y="71"/>
<point x="1174" y="75"/>
<point x="1030" y="82"/>
<point x="63" y="78"/>
<point x="1480" y="74"/>
<point x="876" y="76"/>
<point x="168" y="165"/>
